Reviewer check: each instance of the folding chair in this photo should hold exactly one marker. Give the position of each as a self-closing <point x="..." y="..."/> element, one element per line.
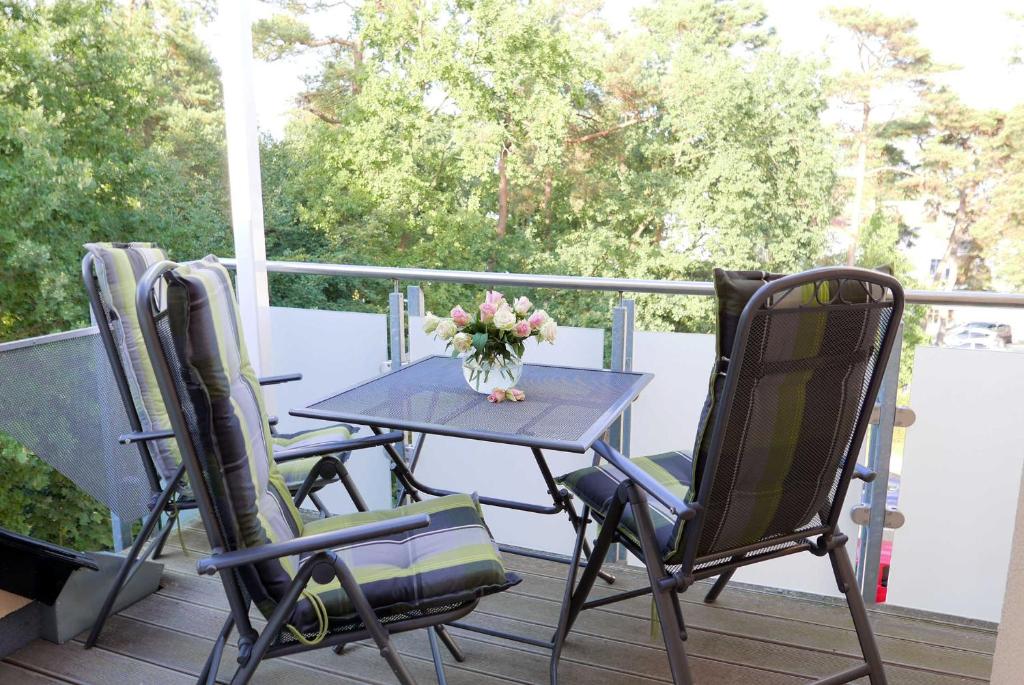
<point x="308" y="460"/>
<point x="328" y="582"/>
<point x="800" y="362"/>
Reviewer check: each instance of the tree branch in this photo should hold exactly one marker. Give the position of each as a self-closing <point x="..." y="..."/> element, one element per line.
<point x="597" y="135"/>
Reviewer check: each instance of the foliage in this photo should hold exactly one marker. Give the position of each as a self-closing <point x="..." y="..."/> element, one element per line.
<point x="109" y="130"/>
<point x="36" y="500"/>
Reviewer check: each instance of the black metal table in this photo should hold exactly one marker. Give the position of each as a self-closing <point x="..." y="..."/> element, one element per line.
<point x="566" y="408"/>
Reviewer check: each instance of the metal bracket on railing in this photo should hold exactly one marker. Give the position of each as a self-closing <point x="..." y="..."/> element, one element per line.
<point x="875" y="494"/>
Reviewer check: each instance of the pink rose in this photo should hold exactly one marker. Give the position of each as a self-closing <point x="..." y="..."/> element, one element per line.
<point x="494" y="297"/>
<point x="460" y="316"/>
<point x="522" y="305"/>
<point x="515" y="394"/>
<point x="522" y="329"/>
<point x="487" y="311"/>
<point x="497" y="395"/>
<point x="538" y="318"/>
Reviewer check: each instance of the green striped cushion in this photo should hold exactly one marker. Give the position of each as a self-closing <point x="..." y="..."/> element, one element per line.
<point x="796" y="402"/>
<point x="295" y="471"/>
<point x="118" y="267"/>
<point x="451" y="561"/>
<point x="227" y="397"/>
<point x="596" y="486"/>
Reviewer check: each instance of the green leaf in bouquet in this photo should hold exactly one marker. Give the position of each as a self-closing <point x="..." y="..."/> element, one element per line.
<point x="479" y="341"/>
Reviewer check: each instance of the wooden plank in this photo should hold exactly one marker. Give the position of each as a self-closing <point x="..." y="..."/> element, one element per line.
<point x="9" y="673"/>
<point x="767" y="603"/>
<point x="72" y="663"/>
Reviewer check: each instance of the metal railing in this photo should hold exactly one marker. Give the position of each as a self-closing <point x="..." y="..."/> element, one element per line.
<point x="622" y="330"/>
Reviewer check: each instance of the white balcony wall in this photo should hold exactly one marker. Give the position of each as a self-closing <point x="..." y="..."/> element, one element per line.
<point x="332" y="351"/>
<point x="508" y="471"/>
<point x="961" y="476"/>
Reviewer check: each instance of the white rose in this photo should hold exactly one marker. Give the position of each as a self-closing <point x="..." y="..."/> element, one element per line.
<point x="504" y="318"/>
<point x="522" y="305"/>
<point x="549" y="331"/>
<point x="430" y="323"/>
<point x="446" y="328"/>
<point x="462" y="342"/>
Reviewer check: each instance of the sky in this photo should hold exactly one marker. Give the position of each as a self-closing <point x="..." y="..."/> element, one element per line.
<point x="976" y="36"/>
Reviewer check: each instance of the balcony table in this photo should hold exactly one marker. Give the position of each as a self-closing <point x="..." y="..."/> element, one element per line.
<point x="566" y="408"/>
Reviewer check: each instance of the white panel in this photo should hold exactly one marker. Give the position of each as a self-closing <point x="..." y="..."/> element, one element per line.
<point x="503" y="470"/>
<point x="666" y="414"/>
<point x="332" y="351"/>
<point x="961" y="476"/>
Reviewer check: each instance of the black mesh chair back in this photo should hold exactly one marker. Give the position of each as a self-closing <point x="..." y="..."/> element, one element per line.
<point x="799" y="389"/>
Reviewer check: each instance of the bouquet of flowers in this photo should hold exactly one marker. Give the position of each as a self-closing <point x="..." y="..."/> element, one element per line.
<point x="494" y="339"/>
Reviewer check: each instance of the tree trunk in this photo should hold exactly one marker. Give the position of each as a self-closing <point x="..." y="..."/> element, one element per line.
<point x="952" y="261"/>
<point x="548" y="187"/>
<point x="858" y="191"/>
<point x="503" y="193"/>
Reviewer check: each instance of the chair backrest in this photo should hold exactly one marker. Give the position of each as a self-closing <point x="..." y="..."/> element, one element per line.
<point x="216" y="408"/>
<point x="111" y="273"/>
<point x="792" y="406"/>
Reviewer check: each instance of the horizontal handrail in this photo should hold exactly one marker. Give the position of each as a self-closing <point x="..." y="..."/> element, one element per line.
<point x="955" y="298"/>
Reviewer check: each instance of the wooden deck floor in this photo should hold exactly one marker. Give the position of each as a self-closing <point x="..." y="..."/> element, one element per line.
<point x="749" y="637"/>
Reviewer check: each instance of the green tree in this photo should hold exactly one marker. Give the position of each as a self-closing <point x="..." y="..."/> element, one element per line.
<point x="110" y="129"/>
<point x="890" y="65"/>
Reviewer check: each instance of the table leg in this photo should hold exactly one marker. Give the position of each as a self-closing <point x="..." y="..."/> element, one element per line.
<point x="563" y="500"/>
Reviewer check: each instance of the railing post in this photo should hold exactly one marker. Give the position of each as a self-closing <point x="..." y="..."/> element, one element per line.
<point x="875" y="494"/>
<point x="414" y="300"/>
<point x="396" y="327"/>
<point x="623" y="318"/>
<point x="622" y="360"/>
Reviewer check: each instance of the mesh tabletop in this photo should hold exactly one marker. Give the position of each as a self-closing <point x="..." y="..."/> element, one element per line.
<point x="566" y="408"/>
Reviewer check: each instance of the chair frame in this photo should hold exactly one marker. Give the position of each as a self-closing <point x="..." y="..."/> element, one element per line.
<point x="321" y="562"/>
<point x="665" y="585"/>
<point x="167" y="499"/>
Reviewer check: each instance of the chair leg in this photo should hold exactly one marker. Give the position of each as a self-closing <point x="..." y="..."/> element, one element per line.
<point x="377" y="631"/>
<point x="450" y="644"/>
<point x="666" y="600"/>
<point x="319" y="504"/>
<point x="208" y="676"/>
<point x="172" y="519"/>
<point x="564" y="621"/>
<point x="435" y="653"/>
<point x="131" y="560"/>
<point x="719" y="585"/>
<point x="865" y="635"/>
<point x="350" y="486"/>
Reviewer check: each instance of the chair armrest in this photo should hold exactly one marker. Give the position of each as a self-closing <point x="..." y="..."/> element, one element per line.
<point x="341" y="446"/>
<point x="144" y="436"/>
<point x="653" y="488"/>
<point x="313" y="543"/>
<point x="283" y="378"/>
<point x="863" y="473"/>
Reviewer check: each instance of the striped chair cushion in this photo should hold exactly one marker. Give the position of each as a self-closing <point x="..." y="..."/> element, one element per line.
<point x="227" y="397"/>
<point x="596" y="486"/>
<point x="295" y="472"/>
<point x="453" y="560"/>
<point x="118" y="267"/>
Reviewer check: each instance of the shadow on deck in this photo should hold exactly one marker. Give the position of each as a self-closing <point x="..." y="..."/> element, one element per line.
<point x="749" y="637"/>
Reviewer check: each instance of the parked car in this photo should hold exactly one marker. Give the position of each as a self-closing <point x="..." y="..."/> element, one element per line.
<point x="1002" y="330"/>
<point x="973" y="338"/>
